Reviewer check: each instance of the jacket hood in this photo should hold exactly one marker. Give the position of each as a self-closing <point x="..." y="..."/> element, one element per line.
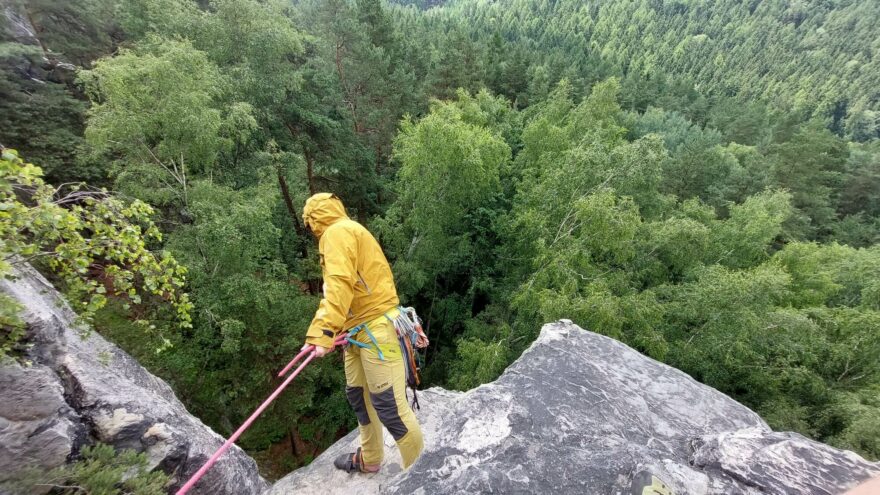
<point x="321" y="211"/>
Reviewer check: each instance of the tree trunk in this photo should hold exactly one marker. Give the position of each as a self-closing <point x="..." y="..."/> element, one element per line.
<point x="314" y="285"/>
<point x="379" y="176"/>
<point x="285" y="193"/>
<point x="362" y="212"/>
<point x="290" y="437"/>
<point x="310" y="170"/>
<point x="349" y="93"/>
<point x="310" y="159"/>
<point x="37" y="30"/>
<point x="298" y="227"/>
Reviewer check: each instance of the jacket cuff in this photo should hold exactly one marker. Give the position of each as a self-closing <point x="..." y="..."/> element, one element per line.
<point x="323" y="338"/>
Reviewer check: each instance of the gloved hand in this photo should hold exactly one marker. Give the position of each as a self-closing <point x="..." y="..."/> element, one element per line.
<point x="319" y="351"/>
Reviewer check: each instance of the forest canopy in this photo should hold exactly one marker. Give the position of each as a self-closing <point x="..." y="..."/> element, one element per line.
<point x="699" y="180"/>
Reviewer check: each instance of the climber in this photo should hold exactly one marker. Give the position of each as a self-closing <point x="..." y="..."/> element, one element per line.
<point x="360" y="298"/>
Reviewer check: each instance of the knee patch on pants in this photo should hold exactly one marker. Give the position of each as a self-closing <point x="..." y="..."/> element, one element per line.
<point x="386" y="408"/>
<point x="356" y="399"/>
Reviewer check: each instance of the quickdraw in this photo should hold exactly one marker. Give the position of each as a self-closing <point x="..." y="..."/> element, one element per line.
<point x="412" y="339"/>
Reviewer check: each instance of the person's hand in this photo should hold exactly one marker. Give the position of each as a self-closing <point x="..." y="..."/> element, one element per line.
<point x="319" y="351"/>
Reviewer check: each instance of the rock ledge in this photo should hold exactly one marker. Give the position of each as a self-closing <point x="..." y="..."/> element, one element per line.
<point x="582" y="413"/>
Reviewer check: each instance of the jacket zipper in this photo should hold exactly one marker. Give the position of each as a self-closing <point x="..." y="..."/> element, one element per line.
<point x="367" y="287"/>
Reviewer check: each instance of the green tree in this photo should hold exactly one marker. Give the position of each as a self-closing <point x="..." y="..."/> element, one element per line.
<point x="359" y="44"/>
<point x="448" y="179"/>
<point x="156" y="109"/>
<point x="811" y="166"/>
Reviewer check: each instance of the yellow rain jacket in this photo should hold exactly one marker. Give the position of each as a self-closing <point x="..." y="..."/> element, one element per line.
<point x="358" y="285"/>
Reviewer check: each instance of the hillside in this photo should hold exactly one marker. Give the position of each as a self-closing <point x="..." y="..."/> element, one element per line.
<point x="818" y="58"/>
<point x="699" y="181"/>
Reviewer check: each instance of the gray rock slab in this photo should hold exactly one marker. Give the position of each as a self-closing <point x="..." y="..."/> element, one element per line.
<point x="37" y="428"/>
<point x="86" y="389"/>
<point x="582" y="413"/>
<point x="776" y="462"/>
<point x="17" y="27"/>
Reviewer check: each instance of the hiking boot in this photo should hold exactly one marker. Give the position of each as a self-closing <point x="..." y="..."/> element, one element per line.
<point x="352" y="463"/>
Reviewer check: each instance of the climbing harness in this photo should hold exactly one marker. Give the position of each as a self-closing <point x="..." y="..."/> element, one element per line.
<point x="411" y="338"/>
<point x="363" y="326"/>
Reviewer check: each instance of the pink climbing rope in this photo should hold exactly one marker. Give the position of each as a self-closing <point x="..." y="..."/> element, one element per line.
<point x="309" y="352"/>
<point x="339" y="341"/>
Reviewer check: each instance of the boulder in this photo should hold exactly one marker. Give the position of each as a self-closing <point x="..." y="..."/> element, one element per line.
<point x="79" y="389"/>
<point x="582" y="413"/>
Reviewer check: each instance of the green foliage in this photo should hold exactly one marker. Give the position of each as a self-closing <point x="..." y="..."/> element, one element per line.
<point x="101" y="470"/>
<point x="813" y="57"/>
<point x="863" y="428"/>
<point x="448" y="179"/>
<point x="744" y="239"/>
<point x="811" y="166"/>
<point x="95" y="243"/>
<point x="478" y="362"/>
<point x="157" y="108"/>
<point x="862" y="181"/>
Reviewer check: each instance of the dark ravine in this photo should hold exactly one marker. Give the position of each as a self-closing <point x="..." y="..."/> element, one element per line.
<point x="576" y="413"/>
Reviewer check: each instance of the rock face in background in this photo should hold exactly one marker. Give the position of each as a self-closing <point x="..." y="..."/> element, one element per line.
<point x="17" y="27"/>
<point x="582" y="413"/>
<point x="82" y="390"/>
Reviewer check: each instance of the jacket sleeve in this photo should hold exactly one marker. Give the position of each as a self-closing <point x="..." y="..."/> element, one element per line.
<point x="339" y="251"/>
